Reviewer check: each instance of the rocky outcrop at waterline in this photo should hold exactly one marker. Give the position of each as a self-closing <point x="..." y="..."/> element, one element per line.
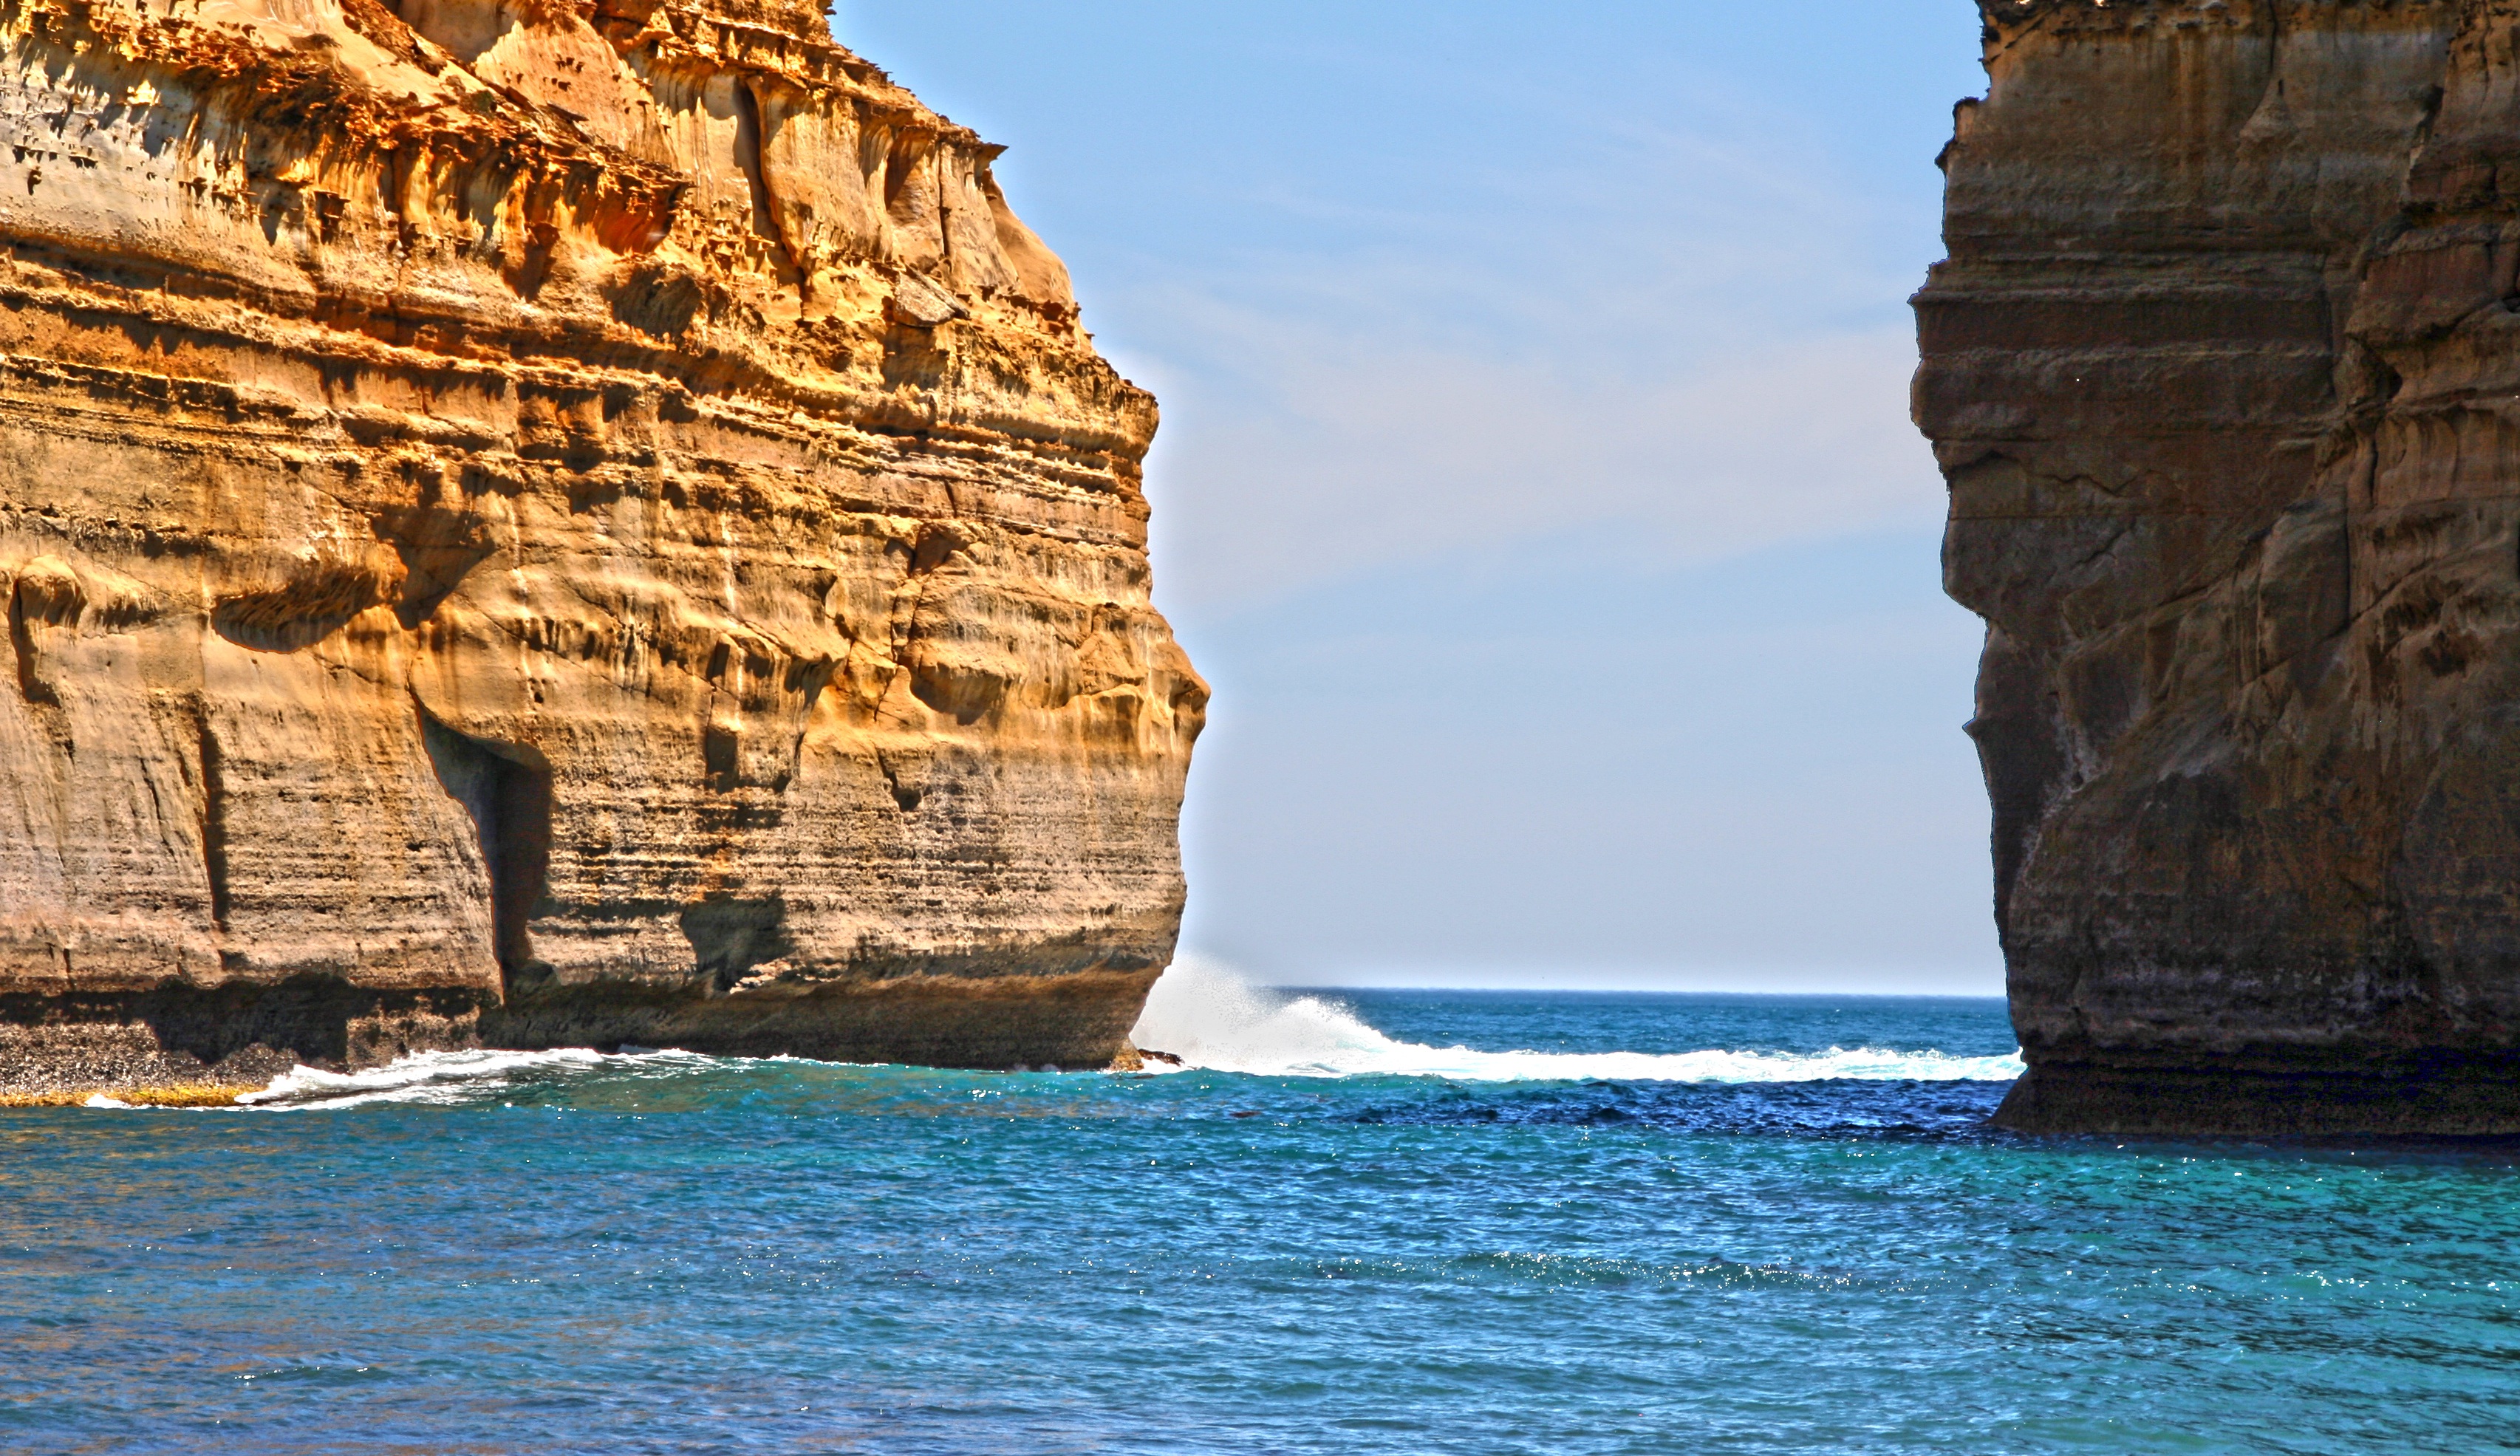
<point x="2223" y="372"/>
<point x="553" y="524"/>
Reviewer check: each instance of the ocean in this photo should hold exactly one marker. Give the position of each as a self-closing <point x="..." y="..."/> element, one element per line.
<point x="1355" y="1222"/>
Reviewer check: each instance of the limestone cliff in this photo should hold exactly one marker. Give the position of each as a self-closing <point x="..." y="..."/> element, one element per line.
<point x="2224" y="371"/>
<point x="548" y="522"/>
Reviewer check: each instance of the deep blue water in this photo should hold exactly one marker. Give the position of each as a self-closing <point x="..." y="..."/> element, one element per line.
<point x="672" y="1253"/>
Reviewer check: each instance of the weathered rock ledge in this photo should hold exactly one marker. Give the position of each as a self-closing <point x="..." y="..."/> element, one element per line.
<point x="552" y="523"/>
<point x="2223" y="372"/>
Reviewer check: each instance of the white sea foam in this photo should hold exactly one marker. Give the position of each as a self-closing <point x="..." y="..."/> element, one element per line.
<point x="1199" y="1012"/>
<point x="433" y="1077"/>
<point x="1212" y="1019"/>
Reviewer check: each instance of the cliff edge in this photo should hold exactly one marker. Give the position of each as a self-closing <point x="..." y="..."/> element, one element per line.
<point x="2223" y="372"/>
<point x="531" y="523"/>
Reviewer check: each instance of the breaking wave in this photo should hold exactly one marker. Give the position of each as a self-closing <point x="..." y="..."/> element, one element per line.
<point x="1213" y="1020"/>
<point x="1202" y="1014"/>
<point x="448" y="1077"/>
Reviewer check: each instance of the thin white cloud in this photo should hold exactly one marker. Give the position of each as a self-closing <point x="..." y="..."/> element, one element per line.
<point x="1344" y="450"/>
<point x="1676" y="331"/>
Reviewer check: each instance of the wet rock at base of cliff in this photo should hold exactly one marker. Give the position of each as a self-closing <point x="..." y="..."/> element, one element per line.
<point x="529" y="524"/>
<point x="2221" y="373"/>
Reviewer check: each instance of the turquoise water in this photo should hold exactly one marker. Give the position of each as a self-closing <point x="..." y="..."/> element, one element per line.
<point x="673" y="1254"/>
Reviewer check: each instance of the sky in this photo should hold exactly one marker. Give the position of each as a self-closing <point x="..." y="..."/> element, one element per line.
<point x="1535" y="487"/>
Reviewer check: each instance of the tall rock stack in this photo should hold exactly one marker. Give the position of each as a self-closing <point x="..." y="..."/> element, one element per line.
<point x="552" y="523"/>
<point x="2223" y="372"/>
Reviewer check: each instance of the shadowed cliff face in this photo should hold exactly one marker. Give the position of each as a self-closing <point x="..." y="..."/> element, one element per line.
<point x="2223" y="372"/>
<point x="579" y="522"/>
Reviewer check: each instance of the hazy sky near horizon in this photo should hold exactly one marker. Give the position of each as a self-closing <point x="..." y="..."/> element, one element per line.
<point x="1535" y="486"/>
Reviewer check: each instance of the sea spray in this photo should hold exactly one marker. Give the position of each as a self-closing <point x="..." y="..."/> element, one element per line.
<point x="449" y="1077"/>
<point x="1214" y="1019"/>
<point x="1205" y="1014"/>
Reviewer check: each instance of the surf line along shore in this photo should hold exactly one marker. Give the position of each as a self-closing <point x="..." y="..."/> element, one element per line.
<point x="611" y="536"/>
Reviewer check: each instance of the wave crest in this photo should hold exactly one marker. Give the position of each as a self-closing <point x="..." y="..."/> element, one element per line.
<point x="1215" y="1021"/>
<point x="438" y="1077"/>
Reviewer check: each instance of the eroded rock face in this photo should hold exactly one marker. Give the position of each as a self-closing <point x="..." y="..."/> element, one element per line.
<point x="553" y="523"/>
<point x="2224" y="375"/>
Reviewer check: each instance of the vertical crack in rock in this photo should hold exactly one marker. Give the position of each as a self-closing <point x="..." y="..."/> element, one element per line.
<point x="21" y="644"/>
<point x="719" y="751"/>
<point x="215" y="819"/>
<point x="748" y="159"/>
<point x="510" y="801"/>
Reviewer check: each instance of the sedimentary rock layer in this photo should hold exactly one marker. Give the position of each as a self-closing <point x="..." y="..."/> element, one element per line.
<point x="2224" y="371"/>
<point x="552" y="523"/>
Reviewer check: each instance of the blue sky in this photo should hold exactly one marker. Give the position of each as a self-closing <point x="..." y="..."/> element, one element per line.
<point x="1535" y="484"/>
